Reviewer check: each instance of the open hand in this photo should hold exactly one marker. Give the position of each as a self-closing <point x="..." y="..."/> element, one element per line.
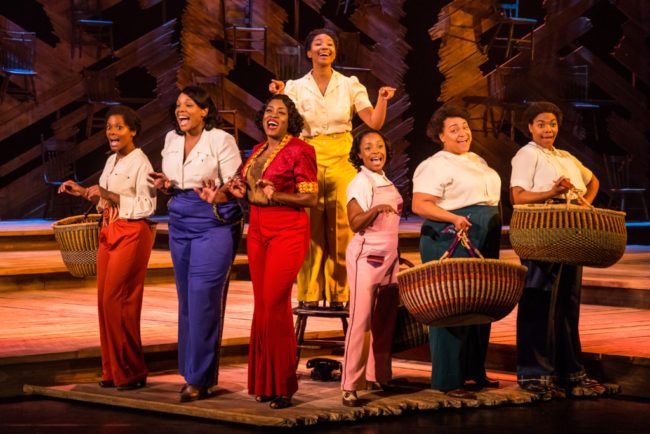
<point x="209" y="191"/>
<point x="160" y="181"/>
<point x="236" y="187"/>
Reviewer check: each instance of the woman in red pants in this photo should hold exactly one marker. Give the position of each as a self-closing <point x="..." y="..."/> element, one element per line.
<point x="125" y="198"/>
<point x="278" y="181"/>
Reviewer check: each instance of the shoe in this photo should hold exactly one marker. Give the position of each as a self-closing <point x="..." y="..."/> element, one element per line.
<point x="106" y="383"/>
<point x="349" y="398"/>
<point x="309" y="304"/>
<point x="262" y="398"/>
<point x="282" y="401"/>
<point x="543" y="392"/>
<point x="487" y="382"/>
<point x="373" y="385"/>
<point x="183" y="387"/>
<point x="461" y="394"/>
<point x="133" y="385"/>
<point x="587" y="387"/>
<point x="193" y="393"/>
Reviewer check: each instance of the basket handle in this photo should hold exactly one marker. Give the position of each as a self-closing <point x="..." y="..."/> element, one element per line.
<point x="572" y="189"/>
<point x="462" y="238"/>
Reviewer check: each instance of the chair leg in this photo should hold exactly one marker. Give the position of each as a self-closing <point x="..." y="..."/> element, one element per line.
<point x="345" y="326"/>
<point x="301" y="325"/>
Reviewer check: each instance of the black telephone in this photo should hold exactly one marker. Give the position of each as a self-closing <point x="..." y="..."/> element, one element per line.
<point x="322" y="369"/>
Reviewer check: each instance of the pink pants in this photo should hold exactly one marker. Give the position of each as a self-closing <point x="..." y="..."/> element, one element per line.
<point x="373" y="308"/>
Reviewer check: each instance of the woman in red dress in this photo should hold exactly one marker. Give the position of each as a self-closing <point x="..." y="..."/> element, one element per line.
<point x="279" y="182"/>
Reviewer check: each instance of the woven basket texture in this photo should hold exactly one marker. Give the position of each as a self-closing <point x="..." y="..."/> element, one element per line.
<point x="78" y="241"/>
<point x="461" y="291"/>
<point x="568" y="234"/>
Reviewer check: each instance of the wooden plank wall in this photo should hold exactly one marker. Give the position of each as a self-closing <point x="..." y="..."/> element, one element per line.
<point x="462" y="22"/>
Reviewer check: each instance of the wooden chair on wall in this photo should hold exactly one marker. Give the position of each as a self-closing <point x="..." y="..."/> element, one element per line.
<point x="287" y="62"/>
<point x="214" y="86"/>
<point x="576" y="85"/>
<point x="239" y="34"/>
<point x="508" y="21"/>
<point x="18" y="59"/>
<point x="618" y="176"/>
<point x="347" y="62"/>
<point x="86" y="18"/>
<point x="58" y="157"/>
<point x="101" y="91"/>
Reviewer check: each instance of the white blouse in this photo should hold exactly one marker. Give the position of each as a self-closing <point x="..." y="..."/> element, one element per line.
<point x="331" y="113"/>
<point x="535" y="168"/>
<point x="215" y="156"/>
<point x="457" y="180"/>
<point x="128" y="179"/>
<point x="360" y="187"/>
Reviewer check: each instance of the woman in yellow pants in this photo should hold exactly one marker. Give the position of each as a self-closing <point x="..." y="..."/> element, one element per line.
<point x="327" y="100"/>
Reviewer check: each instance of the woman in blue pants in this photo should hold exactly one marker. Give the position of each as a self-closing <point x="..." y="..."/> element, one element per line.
<point x="203" y="237"/>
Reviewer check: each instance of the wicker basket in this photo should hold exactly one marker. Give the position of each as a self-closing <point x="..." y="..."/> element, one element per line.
<point x="568" y="234"/>
<point x="461" y="291"/>
<point x="78" y="241"/>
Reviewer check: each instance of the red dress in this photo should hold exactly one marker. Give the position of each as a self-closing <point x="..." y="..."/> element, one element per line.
<point x="277" y="243"/>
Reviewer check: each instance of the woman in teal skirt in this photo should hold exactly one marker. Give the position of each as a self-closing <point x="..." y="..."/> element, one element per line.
<point x="454" y="190"/>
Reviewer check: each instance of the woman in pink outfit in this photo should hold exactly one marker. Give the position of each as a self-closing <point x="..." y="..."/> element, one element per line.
<point x="372" y="261"/>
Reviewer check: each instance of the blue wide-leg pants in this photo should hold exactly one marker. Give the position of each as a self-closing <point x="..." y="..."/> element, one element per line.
<point x="202" y="239"/>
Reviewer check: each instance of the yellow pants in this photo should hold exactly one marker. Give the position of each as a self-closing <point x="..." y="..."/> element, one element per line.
<point x="323" y="274"/>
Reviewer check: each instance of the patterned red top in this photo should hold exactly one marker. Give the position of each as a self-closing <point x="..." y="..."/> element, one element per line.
<point x="291" y="168"/>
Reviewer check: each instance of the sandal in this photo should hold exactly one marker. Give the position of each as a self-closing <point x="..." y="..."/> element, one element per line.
<point x="262" y="398"/>
<point x="587" y="387"/>
<point x="282" y="401"/>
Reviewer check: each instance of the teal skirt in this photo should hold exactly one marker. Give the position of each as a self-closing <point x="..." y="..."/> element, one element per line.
<point x="458" y="353"/>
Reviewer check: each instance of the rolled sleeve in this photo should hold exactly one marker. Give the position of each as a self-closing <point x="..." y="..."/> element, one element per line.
<point x="229" y="158"/>
<point x="428" y="179"/>
<point x="143" y="204"/>
<point x="305" y="171"/>
<point x="585" y="173"/>
<point x="361" y="190"/>
<point x="359" y="95"/>
<point x="523" y="169"/>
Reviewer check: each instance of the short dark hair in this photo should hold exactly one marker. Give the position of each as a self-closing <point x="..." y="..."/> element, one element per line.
<point x="295" y="120"/>
<point x="312" y="35"/>
<point x="437" y="122"/>
<point x="202" y="98"/>
<point x="537" y="108"/>
<point x="130" y="116"/>
<point x="354" y="158"/>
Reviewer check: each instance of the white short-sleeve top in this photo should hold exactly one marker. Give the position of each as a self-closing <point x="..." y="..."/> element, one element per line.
<point x="215" y="156"/>
<point x="457" y="180"/>
<point x="128" y="179"/>
<point x="535" y="168"/>
<point x="360" y="187"/>
<point x="331" y="113"/>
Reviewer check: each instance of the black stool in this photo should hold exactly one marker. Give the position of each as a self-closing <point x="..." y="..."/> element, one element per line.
<point x="302" y="313"/>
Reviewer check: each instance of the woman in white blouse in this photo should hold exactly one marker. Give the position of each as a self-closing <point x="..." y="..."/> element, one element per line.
<point x="540" y="173"/>
<point x="327" y="100"/>
<point x="203" y="237"/>
<point x="455" y="189"/>
<point x="125" y="198"/>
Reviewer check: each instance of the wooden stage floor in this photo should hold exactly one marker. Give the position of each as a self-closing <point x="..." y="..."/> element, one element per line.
<point x="43" y="323"/>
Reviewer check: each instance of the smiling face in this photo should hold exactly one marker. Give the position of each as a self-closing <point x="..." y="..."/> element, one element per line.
<point x="544" y="130"/>
<point x="372" y="151"/>
<point x="322" y="51"/>
<point x="456" y="136"/>
<point x="189" y="115"/>
<point x="119" y="135"/>
<point x="276" y="119"/>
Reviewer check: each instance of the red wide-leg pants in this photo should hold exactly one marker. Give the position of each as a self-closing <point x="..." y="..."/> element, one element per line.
<point x="124" y="250"/>
<point x="278" y="239"/>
